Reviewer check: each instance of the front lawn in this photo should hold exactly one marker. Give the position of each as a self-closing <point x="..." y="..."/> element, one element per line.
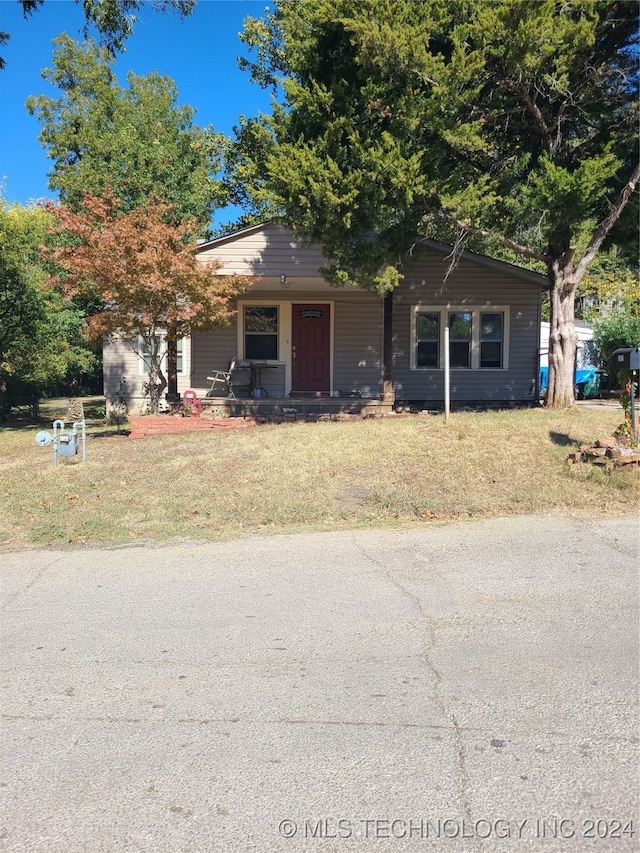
<point x="295" y="477"/>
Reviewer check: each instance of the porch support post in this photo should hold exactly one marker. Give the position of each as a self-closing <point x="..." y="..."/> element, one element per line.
<point x="173" y="398"/>
<point x="387" y="348"/>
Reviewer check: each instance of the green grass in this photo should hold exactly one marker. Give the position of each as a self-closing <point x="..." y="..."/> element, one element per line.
<point x="294" y="477"/>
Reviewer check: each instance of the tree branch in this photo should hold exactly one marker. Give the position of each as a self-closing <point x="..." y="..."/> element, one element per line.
<point x="535" y="111"/>
<point x="439" y="213"/>
<point x="607" y="224"/>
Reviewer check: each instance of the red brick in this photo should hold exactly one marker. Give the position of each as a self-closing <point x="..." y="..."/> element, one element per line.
<point x="609" y="441"/>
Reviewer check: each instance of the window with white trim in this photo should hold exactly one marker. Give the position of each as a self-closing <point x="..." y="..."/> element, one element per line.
<point x="491" y="338"/>
<point x="427" y="339"/>
<point x="261" y="332"/>
<point x="478" y="337"/>
<point x="143" y="348"/>
<point x="460" y="326"/>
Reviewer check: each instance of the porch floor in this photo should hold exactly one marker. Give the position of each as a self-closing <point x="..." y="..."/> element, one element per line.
<point x="271" y="407"/>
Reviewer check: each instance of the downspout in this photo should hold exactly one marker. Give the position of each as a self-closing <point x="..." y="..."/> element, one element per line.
<point x="537" y="379"/>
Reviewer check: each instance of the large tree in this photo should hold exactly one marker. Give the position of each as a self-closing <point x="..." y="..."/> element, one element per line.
<point x="134" y="139"/>
<point x="41" y="340"/>
<point x="142" y="267"/>
<point x="507" y="122"/>
<point x="113" y="19"/>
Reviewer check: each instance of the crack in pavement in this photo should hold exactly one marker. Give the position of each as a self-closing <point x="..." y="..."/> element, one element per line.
<point x="426" y="621"/>
<point x="29" y="585"/>
<point x="561" y="737"/>
<point x="610" y="540"/>
<point x="190" y="665"/>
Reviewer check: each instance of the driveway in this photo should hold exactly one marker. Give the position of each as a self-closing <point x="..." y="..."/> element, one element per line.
<point x="470" y="687"/>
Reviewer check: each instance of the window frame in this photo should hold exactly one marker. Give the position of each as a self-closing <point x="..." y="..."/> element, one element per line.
<point x="242" y="334"/>
<point x="428" y="340"/>
<point x="143" y="366"/>
<point x="486" y="340"/>
<point x="476" y="312"/>
<point x="466" y="341"/>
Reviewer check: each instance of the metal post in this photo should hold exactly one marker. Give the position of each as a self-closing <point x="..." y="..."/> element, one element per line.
<point x="634" y="433"/>
<point x="447" y="375"/>
<point x="55" y="441"/>
<point x="84" y="438"/>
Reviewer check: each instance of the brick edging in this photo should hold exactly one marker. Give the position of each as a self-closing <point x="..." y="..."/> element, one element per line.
<point x="146" y="426"/>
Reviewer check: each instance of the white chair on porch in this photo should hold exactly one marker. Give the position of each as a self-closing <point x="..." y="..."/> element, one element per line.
<point x="223" y="383"/>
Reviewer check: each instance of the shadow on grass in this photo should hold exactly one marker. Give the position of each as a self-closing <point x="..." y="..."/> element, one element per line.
<point x="561" y="439"/>
<point x="24" y="426"/>
<point x="96" y="429"/>
<point x="51" y="409"/>
<point x="109" y="433"/>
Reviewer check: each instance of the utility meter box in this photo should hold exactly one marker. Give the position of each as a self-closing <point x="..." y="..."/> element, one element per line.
<point x="68" y="443"/>
<point x="626" y="359"/>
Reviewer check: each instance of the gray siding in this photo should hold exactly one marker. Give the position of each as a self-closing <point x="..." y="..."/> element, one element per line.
<point x="358" y="345"/>
<point x="120" y="361"/>
<point x="268" y="251"/>
<point x="211" y="351"/>
<point x="472" y="284"/>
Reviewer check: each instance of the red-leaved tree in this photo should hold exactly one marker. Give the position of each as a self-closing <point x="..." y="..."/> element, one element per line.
<point x="141" y="267"/>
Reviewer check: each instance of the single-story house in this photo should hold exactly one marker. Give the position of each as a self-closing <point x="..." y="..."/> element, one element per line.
<point x="323" y="341"/>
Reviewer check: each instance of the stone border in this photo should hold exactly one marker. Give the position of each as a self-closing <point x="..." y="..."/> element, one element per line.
<point x="607" y="452"/>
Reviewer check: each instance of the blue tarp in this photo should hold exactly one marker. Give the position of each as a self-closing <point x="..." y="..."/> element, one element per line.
<point x="587" y="381"/>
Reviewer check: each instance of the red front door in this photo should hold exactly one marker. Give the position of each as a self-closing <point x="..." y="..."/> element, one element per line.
<point x="310" y="334"/>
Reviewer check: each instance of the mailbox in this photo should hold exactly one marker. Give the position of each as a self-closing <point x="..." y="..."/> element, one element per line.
<point x="626" y="359"/>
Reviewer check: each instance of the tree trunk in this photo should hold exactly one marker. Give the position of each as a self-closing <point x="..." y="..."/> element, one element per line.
<point x="157" y="381"/>
<point x="562" y="339"/>
<point x="157" y="384"/>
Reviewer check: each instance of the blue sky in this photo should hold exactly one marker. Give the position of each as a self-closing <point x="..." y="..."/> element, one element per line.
<point x="199" y="53"/>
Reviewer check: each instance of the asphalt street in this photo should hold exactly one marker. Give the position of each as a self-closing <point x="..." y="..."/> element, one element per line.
<point x="468" y="687"/>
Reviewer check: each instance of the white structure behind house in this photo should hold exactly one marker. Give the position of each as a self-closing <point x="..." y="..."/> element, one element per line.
<point x="586" y="352"/>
